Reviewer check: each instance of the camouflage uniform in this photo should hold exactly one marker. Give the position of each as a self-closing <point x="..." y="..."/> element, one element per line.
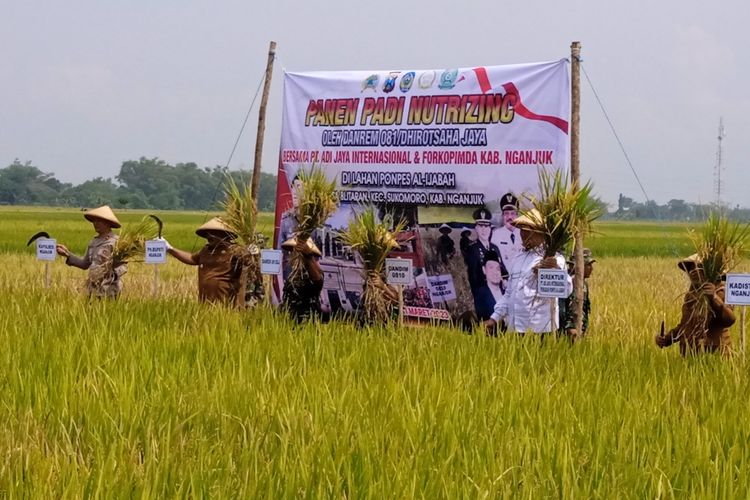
<point x="104" y="278"/>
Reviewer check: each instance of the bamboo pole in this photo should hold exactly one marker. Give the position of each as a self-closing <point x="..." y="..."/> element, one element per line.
<point x="575" y="176"/>
<point x="742" y="331"/>
<point x="155" y="284"/>
<point x="262" y="126"/>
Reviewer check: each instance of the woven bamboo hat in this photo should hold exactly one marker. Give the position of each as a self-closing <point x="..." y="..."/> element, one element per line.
<point x="312" y="248"/>
<point x="103" y="213"/>
<point x="445" y="229"/>
<point x="215" y="224"/>
<point x="530" y="220"/>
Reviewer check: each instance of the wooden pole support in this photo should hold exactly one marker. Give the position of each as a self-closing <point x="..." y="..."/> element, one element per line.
<point x="400" y="305"/>
<point x="262" y="126"/>
<point x="742" y="331"/>
<point x="575" y="176"/>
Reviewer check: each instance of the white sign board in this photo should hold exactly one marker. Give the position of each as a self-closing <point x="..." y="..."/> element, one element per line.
<point x="46" y="249"/>
<point x="270" y="261"/>
<point x="156" y="252"/>
<point x="737" y="291"/>
<point x="398" y="271"/>
<point x="441" y="288"/>
<point x="552" y="283"/>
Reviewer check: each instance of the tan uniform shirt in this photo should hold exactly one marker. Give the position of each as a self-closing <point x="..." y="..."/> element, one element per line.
<point x="104" y="275"/>
<point x="219" y="273"/>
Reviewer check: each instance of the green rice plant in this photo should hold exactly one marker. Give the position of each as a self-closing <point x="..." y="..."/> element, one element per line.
<point x="720" y="245"/>
<point x="560" y="211"/>
<point x="373" y="239"/>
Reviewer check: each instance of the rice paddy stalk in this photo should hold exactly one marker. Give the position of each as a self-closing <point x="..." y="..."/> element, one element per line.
<point x="373" y="239"/>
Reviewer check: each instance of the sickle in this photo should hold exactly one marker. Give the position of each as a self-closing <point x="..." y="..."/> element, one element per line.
<point x="40" y="234"/>
<point x="661" y="334"/>
<point x="158" y="222"/>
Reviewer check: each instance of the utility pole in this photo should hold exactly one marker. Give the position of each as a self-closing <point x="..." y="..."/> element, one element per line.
<point x="575" y="176"/>
<point x="718" y="168"/>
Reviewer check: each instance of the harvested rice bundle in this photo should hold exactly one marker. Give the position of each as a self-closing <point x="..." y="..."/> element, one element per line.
<point x="559" y="211"/>
<point x="373" y="240"/>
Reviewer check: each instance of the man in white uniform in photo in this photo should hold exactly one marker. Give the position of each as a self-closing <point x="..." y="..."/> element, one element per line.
<point x="507" y="237"/>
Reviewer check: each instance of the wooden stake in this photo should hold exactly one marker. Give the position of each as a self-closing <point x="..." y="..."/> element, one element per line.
<point x="742" y="331"/>
<point x="262" y="126"/>
<point x="47" y="275"/>
<point x="400" y="305"/>
<point x="575" y="176"/>
<point x="155" y="284"/>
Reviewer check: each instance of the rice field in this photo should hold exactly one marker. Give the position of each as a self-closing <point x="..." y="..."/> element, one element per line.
<point x="164" y="397"/>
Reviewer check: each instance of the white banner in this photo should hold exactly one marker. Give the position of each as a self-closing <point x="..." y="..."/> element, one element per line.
<point x="435" y="146"/>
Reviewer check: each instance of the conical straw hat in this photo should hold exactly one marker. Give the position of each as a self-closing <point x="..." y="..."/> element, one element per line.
<point x="215" y="224"/>
<point x="692" y="259"/>
<point x="531" y="220"/>
<point x="103" y="213"/>
<point x="291" y="244"/>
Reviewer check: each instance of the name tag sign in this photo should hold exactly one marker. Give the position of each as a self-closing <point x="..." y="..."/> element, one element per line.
<point x="46" y="249"/>
<point x="552" y="283"/>
<point x="156" y="252"/>
<point x="737" y="290"/>
<point x="441" y="288"/>
<point x="270" y="261"/>
<point x="398" y="271"/>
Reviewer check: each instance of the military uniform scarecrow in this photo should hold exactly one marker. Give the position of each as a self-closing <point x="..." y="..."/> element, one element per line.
<point x="567" y="305"/>
<point x="705" y="322"/>
<point x="219" y="263"/>
<point x="104" y="279"/>
<point x="301" y="295"/>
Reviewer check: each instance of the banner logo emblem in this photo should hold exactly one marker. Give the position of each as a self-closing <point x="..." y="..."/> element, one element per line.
<point x="448" y="79"/>
<point x="406" y="82"/>
<point x="390" y="82"/>
<point x="426" y="79"/>
<point x="371" y="82"/>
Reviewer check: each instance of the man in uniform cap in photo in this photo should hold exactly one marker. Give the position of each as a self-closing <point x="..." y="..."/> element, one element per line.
<point x="219" y="266"/>
<point x="104" y="276"/>
<point x="706" y="318"/>
<point x="446" y="248"/>
<point x="507" y="237"/>
<point x="478" y="250"/>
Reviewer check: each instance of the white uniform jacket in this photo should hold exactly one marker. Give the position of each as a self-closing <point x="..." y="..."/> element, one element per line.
<point x="521" y="307"/>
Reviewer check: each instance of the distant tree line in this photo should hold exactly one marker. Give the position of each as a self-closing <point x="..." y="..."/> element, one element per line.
<point x="678" y="210"/>
<point x="143" y="183"/>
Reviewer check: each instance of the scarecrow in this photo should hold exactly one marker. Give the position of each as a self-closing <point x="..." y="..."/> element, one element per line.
<point x="704" y="325"/>
<point x="567" y="305"/>
<point x="446" y="248"/>
<point x="465" y="242"/>
<point x="521" y="307"/>
<point x="105" y="271"/>
<point x="219" y="266"/>
<point x="301" y="298"/>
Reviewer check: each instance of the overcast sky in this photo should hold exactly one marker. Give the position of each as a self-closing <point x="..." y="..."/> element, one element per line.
<point x="88" y="84"/>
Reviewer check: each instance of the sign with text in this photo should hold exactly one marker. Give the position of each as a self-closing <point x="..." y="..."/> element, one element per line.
<point x="442" y="288"/>
<point x="737" y="291"/>
<point x="156" y="252"/>
<point x="270" y="261"/>
<point x="46" y="249"/>
<point x="552" y="283"/>
<point x="398" y="271"/>
<point x="443" y="149"/>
